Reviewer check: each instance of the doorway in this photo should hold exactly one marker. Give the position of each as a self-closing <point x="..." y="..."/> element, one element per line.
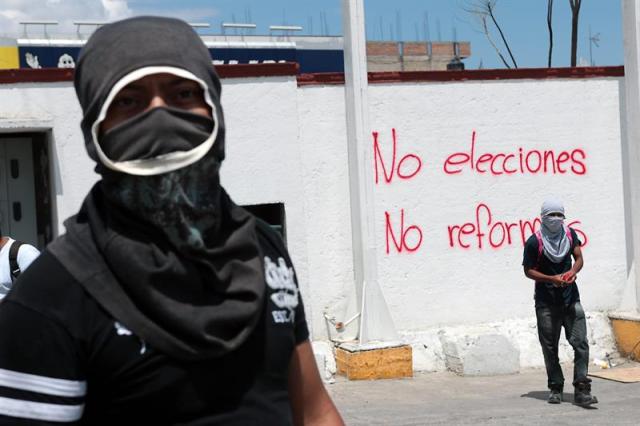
<point x="273" y="214"/>
<point x="25" y="190"/>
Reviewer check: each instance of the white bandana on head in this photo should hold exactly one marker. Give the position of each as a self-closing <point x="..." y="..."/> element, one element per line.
<point x="553" y="231"/>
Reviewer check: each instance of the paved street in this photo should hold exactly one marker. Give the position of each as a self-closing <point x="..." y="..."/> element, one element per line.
<point x="445" y="398"/>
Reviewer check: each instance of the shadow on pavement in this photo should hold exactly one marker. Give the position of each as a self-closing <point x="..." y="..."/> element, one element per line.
<point x="587" y="407"/>
<point x="566" y="397"/>
<point x="543" y="395"/>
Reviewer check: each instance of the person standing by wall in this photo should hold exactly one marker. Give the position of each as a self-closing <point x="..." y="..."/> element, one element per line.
<point x="15" y="257"/>
<point x="548" y="261"/>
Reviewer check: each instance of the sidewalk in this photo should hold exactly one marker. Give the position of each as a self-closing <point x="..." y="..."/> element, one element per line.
<point x="445" y="398"/>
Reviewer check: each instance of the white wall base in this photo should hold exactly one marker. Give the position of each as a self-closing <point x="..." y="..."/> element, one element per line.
<point x="516" y="340"/>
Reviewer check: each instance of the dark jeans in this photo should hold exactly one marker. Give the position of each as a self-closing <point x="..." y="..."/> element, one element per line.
<point x="550" y="322"/>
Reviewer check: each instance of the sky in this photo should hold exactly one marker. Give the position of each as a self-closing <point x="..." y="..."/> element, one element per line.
<point x="523" y="22"/>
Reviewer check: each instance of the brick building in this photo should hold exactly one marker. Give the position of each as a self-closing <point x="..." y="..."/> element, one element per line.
<point x="414" y="56"/>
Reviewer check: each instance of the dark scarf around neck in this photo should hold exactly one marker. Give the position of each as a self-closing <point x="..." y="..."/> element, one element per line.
<point x="191" y="306"/>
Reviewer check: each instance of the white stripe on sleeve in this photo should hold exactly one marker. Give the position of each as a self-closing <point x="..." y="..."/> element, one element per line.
<point x="40" y="410"/>
<point x="42" y="384"/>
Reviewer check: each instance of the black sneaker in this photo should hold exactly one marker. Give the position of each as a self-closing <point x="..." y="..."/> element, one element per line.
<point x="555" y="396"/>
<point x="582" y="395"/>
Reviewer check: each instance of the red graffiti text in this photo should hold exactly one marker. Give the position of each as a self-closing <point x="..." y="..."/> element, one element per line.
<point x="487" y="232"/>
<point x="408" y="166"/>
<point x="523" y="162"/>
<point x="409" y="238"/>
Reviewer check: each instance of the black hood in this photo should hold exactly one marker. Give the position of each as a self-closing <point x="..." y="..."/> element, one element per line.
<point x="117" y="49"/>
<point x="190" y="301"/>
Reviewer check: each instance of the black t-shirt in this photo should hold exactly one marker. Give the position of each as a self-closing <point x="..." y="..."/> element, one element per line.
<point x="546" y="294"/>
<point x="63" y="358"/>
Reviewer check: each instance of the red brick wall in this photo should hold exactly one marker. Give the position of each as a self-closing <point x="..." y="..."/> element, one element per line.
<point x="382" y="48"/>
<point x="446" y="49"/>
<point x="415" y="49"/>
<point x="441" y="49"/>
<point x="465" y="49"/>
<point x="391" y="48"/>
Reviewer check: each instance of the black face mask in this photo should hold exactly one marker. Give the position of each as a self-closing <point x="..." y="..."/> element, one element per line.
<point x="156" y="132"/>
<point x="182" y="204"/>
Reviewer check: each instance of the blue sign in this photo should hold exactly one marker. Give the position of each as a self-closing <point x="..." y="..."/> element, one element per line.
<point x="310" y="61"/>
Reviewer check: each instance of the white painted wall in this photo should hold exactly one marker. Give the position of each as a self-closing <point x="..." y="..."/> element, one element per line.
<point x="326" y="197"/>
<point x="288" y="144"/>
<point x="264" y="156"/>
<point x="439" y="285"/>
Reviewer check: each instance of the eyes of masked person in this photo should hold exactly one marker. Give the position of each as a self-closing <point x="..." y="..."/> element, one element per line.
<point x="157" y="90"/>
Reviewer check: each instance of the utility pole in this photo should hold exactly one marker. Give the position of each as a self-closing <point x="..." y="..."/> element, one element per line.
<point x="631" y="147"/>
<point x="375" y="321"/>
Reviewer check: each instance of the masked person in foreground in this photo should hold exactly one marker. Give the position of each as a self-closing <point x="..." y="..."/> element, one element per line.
<point x="547" y="261"/>
<point x="164" y="303"/>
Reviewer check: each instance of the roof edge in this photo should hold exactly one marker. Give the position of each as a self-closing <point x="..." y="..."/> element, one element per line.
<point x="49" y="75"/>
<point x="486" y="74"/>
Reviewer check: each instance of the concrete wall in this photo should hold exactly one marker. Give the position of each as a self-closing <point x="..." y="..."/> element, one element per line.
<point x="435" y="283"/>
<point x="442" y="282"/>
<point x="287" y="144"/>
<point x="264" y="156"/>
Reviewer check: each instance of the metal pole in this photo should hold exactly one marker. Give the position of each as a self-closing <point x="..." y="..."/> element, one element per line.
<point x="631" y="146"/>
<point x="359" y="148"/>
<point x="375" y="324"/>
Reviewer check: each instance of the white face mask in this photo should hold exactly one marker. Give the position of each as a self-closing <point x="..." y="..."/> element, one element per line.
<point x="553" y="223"/>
